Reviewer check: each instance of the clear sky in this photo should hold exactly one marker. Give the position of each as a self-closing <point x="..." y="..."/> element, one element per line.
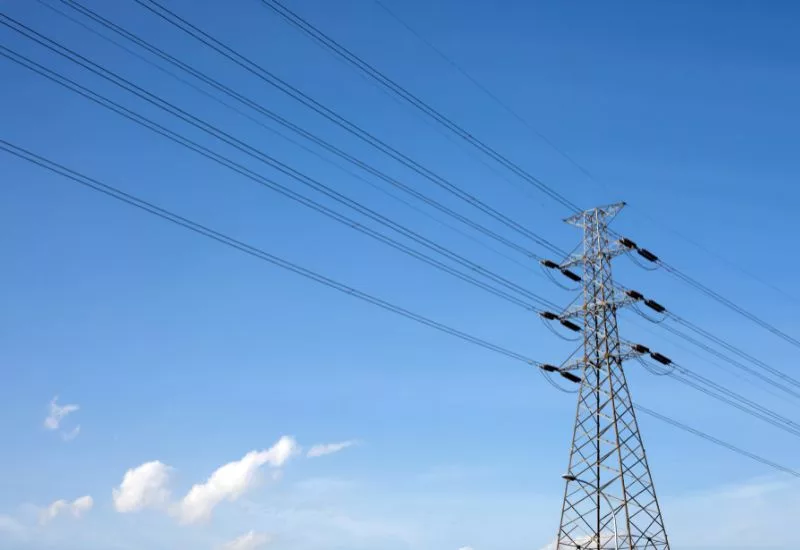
<point x="344" y="426"/>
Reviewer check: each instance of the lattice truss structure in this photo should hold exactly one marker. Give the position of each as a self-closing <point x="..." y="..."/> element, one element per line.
<point x="609" y="488"/>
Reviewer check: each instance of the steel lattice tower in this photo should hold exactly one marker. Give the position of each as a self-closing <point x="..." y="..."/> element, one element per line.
<point x="609" y="487"/>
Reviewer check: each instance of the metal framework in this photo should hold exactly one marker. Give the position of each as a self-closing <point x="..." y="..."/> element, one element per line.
<point x="609" y="498"/>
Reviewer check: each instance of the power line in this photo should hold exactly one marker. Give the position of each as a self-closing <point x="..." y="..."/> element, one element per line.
<point x="272" y="115"/>
<point x="731" y="361"/>
<point x="260" y="254"/>
<point x="729" y="304"/>
<point x="354" y="129"/>
<point x="271" y="161"/>
<point x="310" y="136"/>
<point x="721" y="393"/>
<point x="384" y="305"/>
<point x="238" y="168"/>
<point x="316" y="34"/>
<point x="649" y="256"/>
<point x="477" y="83"/>
<point x="567" y="156"/>
<point x="741" y="354"/>
<point x="688" y="348"/>
<point x="674" y="423"/>
<point x="282" y="135"/>
<point x="735" y="350"/>
<point x="253" y="251"/>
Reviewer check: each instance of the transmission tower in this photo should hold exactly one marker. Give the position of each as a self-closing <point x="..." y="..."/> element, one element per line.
<point x="609" y="499"/>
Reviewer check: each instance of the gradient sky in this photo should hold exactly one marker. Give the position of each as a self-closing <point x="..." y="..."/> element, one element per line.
<point x="184" y="355"/>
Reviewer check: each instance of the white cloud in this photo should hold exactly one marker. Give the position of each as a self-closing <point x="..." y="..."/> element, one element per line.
<point x="143" y="487"/>
<point x="249" y="541"/>
<point x="77" y="508"/>
<point x="466" y="548"/>
<point x="57" y="414"/>
<point x="232" y="480"/>
<point x="329" y="448"/>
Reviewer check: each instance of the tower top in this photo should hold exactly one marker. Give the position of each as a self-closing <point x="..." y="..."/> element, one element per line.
<point x="606" y="213"/>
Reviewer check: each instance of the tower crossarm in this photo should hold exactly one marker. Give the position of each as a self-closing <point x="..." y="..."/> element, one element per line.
<point x="614" y="249"/>
<point x="628" y="350"/>
<point x="617" y="301"/>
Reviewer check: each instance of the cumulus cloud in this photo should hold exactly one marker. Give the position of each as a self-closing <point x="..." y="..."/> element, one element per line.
<point x="147" y="486"/>
<point x="77" y="508"/>
<point x="249" y="541"/>
<point x="57" y="413"/>
<point x="232" y="480"/>
<point x="329" y="448"/>
<point x="143" y="487"/>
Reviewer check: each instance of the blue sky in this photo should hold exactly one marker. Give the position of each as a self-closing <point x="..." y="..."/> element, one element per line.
<point x="187" y="355"/>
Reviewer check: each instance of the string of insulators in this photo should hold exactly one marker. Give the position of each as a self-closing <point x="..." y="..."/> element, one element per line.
<point x="643" y="252"/>
<point x="566" y="374"/>
<point x="641" y="348"/>
<point x="663" y="359"/>
<point x="647" y="255"/>
<point x="570" y="325"/>
<point x="655" y="306"/>
<point x="652" y="304"/>
<point x="635" y="295"/>
<point x="569" y="274"/>
<point x="550" y="316"/>
<point x="571" y="377"/>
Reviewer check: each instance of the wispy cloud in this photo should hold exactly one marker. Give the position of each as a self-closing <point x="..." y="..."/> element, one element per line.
<point x="77" y="509"/>
<point x="317" y="524"/>
<point x="69" y="436"/>
<point x="11" y="526"/>
<point x="737" y="516"/>
<point x="57" y="413"/>
<point x="249" y="541"/>
<point x="323" y="449"/>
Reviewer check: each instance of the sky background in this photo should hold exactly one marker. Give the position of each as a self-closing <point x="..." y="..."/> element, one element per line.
<point x="185" y="352"/>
